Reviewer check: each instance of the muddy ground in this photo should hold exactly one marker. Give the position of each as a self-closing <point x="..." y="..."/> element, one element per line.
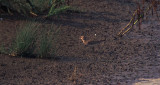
<point x="106" y="60"/>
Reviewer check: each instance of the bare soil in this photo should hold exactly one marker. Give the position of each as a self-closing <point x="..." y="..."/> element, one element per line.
<point x="106" y="60"/>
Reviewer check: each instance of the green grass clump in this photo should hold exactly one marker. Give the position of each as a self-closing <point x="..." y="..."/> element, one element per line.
<point x="33" y="41"/>
<point x="25" y="40"/>
<point x="47" y="47"/>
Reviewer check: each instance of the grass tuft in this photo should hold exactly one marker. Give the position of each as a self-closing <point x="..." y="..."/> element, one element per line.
<point x="47" y="46"/>
<point x="31" y="41"/>
<point x="25" y="40"/>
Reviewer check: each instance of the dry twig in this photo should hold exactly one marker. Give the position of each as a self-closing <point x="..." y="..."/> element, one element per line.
<point x="139" y="14"/>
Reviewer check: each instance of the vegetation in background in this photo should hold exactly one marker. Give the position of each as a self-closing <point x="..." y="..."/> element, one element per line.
<point x="34" y="7"/>
<point x="54" y="10"/>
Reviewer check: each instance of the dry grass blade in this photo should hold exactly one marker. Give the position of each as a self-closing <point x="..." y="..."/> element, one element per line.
<point x="140" y="12"/>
